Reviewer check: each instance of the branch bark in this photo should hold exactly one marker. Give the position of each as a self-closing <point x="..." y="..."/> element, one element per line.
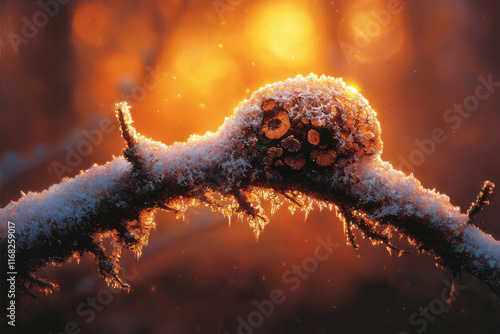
<point x="265" y="149"/>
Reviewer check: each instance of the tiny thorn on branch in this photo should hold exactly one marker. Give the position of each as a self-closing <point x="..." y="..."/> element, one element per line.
<point x="481" y="201"/>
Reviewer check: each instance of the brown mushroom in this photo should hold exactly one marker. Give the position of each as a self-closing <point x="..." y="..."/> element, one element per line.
<point x="313" y="137"/>
<point x="295" y="163"/>
<point x="268" y="105"/>
<point x="276" y="126"/>
<point x="324" y="158"/>
<point x="291" y="144"/>
<point x="275" y="152"/>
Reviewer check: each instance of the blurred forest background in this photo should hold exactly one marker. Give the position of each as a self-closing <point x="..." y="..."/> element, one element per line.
<point x="183" y="66"/>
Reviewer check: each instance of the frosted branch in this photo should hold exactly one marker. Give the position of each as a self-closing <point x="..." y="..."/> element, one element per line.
<point x="308" y="140"/>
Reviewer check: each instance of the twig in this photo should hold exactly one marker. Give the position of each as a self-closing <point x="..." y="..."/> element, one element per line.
<point x="482" y="199"/>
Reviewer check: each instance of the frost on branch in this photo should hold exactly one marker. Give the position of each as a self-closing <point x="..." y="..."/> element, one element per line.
<point x="304" y="141"/>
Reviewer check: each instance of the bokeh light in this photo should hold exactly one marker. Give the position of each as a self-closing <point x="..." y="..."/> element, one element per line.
<point x="371" y="31"/>
<point x="283" y="32"/>
<point x="92" y="24"/>
<point x="203" y="68"/>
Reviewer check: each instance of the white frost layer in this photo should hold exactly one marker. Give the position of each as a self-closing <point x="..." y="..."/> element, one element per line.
<point x="60" y="207"/>
<point x="484" y="249"/>
<point x="402" y="195"/>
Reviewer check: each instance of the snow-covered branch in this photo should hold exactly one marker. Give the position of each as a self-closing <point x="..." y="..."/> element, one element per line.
<point x="308" y="140"/>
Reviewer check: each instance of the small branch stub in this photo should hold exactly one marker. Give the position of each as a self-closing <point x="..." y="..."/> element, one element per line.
<point x="481" y="201"/>
<point x="122" y="110"/>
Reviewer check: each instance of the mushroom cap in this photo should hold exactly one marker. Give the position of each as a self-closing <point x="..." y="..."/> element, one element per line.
<point x="275" y="124"/>
<point x="313" y="137"/>
<point x="291" y="144"/>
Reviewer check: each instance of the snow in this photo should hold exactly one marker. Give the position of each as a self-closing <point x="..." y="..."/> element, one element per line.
<point x="402" y="195"/>
<point x="480" y="246"/>
<point x="62" y="205"/>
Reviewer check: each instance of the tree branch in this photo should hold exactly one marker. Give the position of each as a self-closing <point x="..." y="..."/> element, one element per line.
<point x="303" y="139"/>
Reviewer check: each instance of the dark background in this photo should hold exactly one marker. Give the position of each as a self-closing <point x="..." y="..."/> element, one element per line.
<point x="200" y="275"/>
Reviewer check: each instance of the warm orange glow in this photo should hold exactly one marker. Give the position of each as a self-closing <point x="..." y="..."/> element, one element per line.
<point x="370" y="33"/>
<point x="283" y="32"/>
<point x="138" y="36"/>
<point x="116" y="68"/>
<point x="199" y="67"/>
<point x="92" y="24"/>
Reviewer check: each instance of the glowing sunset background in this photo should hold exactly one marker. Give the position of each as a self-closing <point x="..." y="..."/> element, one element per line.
<point x="183" y="66"/>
